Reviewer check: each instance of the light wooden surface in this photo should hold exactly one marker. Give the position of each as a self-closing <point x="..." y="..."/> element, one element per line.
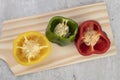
<point x="60" y="56"/>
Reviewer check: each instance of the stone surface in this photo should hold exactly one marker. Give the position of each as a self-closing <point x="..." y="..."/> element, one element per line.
<point x="100" y="69"/>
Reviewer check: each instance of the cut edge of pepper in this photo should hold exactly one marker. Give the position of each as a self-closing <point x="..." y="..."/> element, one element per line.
<point x="71" y="38"/>
<point x="34" y="62"/>
<point x="77" y="42"/>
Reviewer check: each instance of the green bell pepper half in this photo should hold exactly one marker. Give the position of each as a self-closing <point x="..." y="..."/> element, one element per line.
<point x="60" y="40"/>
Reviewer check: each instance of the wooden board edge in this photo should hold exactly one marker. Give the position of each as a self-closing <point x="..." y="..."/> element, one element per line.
<point x="58" y="66"/>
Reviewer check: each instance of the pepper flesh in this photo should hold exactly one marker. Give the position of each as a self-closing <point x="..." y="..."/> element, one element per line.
<point x="91" y="39"/>
<point x="30" y="48"/>
<point x="61" y="30"/>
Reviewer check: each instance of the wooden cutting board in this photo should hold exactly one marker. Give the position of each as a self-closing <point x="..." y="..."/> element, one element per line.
<point x="60" y="56"/>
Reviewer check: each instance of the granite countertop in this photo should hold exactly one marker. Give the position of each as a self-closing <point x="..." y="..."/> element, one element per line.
<point x="100" y="69"/>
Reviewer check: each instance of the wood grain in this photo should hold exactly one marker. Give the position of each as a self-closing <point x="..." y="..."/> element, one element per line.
<point x="60" y="56"/>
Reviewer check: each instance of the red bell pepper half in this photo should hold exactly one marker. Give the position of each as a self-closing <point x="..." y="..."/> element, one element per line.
<point x="90" y="39"/>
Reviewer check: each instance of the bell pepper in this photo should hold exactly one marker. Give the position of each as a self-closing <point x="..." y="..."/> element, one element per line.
<point x="61" y="30"/>
<point x="90" y="39"/>
<point x="30" y="48"/>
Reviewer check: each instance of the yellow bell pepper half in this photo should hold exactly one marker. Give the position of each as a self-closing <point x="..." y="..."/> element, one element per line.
<point x="30" y="48"/>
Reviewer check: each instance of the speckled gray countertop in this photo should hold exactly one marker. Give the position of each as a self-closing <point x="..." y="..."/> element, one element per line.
<point x="100" y="69"/>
